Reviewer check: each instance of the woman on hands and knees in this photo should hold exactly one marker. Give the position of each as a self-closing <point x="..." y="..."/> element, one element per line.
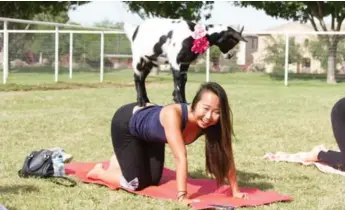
<point x="139" y="137"/>
<point x="333" y="158"/>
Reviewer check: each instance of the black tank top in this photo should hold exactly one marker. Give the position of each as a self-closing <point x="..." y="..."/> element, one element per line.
<point x="145" y="123"/>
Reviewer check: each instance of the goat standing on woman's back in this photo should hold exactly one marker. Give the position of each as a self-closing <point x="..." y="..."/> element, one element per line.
<point x="159" y="40"/>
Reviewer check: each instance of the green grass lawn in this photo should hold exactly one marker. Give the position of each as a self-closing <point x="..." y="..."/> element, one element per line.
<point x="76" y="114"/>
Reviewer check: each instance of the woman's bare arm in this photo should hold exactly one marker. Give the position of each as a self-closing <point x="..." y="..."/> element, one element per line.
<point x="171" y="121"/>
<point x="232" y="179"/>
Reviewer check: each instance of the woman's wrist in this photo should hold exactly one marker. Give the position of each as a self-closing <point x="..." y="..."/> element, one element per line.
<point x="235" y="188"/>
<point x="181" y="195"/>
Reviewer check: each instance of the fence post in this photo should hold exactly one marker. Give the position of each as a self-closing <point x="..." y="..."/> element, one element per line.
<point x="56" y="53"/>
<point x="286" y="59"/>
<point x="5" y="54"/>
<point x="102" y="57"/>
<point x="70" y="54"/>
<point x="208" y="65"/>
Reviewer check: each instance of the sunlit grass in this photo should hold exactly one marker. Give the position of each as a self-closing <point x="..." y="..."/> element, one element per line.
<point x="76" y="114"/>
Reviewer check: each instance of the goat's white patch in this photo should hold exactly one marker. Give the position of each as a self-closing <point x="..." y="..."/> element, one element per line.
<point x="217" y="29"/>
<point x="149" y="35"/>
<point x="162" y="59"/>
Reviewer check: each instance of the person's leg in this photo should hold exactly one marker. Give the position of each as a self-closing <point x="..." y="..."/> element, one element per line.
<point x="156" y="153"/>
<point x="134" y="163"/>
<point x="111" y="175"/>
<point x="130" y="152"/>
<point x="333" y="158"/>
<point x="131" y="165"/>
<point x="143" y="166"/>
<point x="119" y="130"/>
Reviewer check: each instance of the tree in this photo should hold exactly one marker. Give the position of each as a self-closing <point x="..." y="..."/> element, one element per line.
<point x="19" y="43"/>
<point x="28" y="9"/>
<point x="86" y="47"/>
<point x="189" y="10"/>
<point x="318" y="49"/>
<point x="215" y="58"/>
<point x="275" y="52"/>
<point x="44" y="44"/>
<point x="313" y="11"/>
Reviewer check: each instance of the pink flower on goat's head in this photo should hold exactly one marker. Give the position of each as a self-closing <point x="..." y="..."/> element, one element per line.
<point x="200" y="45"/>
<point x="199" y="31"/>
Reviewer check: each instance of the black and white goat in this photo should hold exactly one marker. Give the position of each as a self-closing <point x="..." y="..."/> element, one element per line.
<point x="159" y="40"/>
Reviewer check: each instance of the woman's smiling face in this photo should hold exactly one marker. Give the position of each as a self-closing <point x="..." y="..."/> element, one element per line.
<point x="207" y="110"/>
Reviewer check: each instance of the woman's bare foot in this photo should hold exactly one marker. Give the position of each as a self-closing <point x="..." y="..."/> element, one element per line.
<point x="113" y="163"/>
<point x="312" y="155"/>
<point x="95" y="172"/>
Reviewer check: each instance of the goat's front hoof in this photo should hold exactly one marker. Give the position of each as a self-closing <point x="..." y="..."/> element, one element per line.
<point x="142" y="103"/>
<point x="179" y="100"/>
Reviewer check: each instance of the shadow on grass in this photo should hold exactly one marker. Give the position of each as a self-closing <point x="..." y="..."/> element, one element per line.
<point x="251" y="180"/>
<point x="245" y="179"/>
<point x="15" y="189"/>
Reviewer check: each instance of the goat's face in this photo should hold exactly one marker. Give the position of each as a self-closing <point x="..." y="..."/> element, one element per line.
<point x="228" y="40"/>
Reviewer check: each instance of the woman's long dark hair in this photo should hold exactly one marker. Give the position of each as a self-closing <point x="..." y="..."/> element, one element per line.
<point x="218" y="149"/>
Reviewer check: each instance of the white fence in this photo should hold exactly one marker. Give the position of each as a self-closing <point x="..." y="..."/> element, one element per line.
<point x="6" y="32"/>
<point x="103" y="31"/>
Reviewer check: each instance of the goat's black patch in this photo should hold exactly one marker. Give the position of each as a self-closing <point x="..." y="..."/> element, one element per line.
<point x="170" y="34"/>
<point x="157" y="48"/>
<point x="216" y="37"/>
<point x="135" y="33"/>
<point x="209" y="26"/>
<point x="225" y="40"/>
<point x="141" y="64"/>
<point x="186" y="55"/>
<point x="154" y="65"/>
<point x="151" y="57"/>
<point x="191" y="25"/>
<point x="144" y="66"/>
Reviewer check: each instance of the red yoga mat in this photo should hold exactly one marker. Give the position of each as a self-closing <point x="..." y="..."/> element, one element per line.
<point x="204" y="190"/>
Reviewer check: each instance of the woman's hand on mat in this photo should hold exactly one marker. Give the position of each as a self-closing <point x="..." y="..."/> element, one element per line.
<point x="188" y="201"/>
<point x="183" y="198"/>
<point x="240" y="195"/>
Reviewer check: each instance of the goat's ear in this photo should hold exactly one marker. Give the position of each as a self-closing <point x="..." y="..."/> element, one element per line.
<point x="239" y="36"/>
<point x="243" y="39"/>
<point x="242" y="30"/>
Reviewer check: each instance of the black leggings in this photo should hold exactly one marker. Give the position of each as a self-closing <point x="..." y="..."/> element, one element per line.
<point x="333" y="158"/>
<point x="141" y="162"/>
